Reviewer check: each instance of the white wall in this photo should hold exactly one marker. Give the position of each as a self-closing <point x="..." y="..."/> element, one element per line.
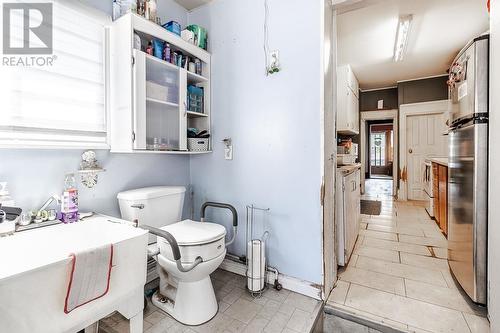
<point x="494" y="171"/>
<point x="274" y="123"/>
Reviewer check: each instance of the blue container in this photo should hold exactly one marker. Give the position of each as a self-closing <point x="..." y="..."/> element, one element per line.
<point x="158" y="46"/>
<point x="173" y="27"/>
<point x="195" y="99"/>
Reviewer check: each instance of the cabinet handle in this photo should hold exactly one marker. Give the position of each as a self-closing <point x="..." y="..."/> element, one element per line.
<point x="185" y="109"/>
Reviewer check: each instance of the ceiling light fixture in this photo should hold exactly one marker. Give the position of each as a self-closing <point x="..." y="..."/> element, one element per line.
<point x="402" y="37"/>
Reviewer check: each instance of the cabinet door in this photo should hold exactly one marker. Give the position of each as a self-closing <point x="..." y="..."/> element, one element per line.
<point x="443" y="199"/>
<point x="355" y="114"/>
<point x="342" y="112"/>
<point x="352" y="213"/>
<point x="159" y="114"/>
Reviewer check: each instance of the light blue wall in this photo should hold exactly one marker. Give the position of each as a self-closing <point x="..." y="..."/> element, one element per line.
<point x="35" y="175"/>
<point x="168" y="10"/>
<point x="274" y="123"/>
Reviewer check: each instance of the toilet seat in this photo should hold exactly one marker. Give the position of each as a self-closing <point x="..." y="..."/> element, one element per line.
<point x="195" y="239"/>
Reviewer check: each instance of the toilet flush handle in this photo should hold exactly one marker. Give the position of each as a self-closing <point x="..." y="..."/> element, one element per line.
<point x="139" y="206"/>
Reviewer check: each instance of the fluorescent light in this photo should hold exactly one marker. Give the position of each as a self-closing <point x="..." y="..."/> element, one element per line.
<point x="402" y="37"/>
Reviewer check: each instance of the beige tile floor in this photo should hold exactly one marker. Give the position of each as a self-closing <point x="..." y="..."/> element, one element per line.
<point x="276" y="311"/>
<point x="398" y="274"/>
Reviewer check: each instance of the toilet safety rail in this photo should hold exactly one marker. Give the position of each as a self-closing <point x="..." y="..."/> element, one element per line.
<point x="175" y="248"/>
<point x="226" y="206"/>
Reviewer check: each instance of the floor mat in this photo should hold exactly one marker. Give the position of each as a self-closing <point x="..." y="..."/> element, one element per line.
<point x="371" y="207"/>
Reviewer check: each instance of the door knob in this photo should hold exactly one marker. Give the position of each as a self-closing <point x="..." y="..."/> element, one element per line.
<point x="410" y="150"/>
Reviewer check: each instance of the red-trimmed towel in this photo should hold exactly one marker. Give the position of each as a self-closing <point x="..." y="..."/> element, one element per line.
<point x="90" y="275"/>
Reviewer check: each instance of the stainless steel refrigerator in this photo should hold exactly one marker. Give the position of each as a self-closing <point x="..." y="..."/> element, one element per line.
<point x="468" y="168"/>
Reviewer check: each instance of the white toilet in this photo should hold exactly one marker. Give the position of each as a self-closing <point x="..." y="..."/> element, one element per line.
<point x="187" y="296"/>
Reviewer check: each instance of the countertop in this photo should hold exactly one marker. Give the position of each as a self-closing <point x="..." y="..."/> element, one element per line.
<point x="440" y="160"/>
<point x="347" y="169"/>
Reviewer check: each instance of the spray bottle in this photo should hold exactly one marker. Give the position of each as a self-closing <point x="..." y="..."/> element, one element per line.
<point x="69" y="202"/>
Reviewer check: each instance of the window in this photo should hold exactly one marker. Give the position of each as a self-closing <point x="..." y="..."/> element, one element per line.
<point x="62" y="103"/>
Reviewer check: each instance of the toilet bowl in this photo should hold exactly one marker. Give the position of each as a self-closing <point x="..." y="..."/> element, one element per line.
<point x="189" y="296"/>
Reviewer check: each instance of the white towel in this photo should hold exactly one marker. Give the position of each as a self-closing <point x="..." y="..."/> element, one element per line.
<point x="90" y="275"/>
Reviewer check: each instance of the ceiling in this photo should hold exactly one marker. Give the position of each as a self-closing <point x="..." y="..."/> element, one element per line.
<point x="192" y="4"/>
<point x="440" y="29"/>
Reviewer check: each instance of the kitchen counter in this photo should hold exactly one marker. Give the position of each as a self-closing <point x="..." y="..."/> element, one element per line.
<point x="347" y="169"/>
<point x="440" y="160"/>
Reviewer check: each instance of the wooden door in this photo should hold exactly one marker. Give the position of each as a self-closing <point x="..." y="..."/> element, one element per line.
<point x="424" y="138"/>
<point x="443" y="198"/>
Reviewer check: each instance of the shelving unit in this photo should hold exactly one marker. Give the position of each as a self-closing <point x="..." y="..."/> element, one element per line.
<point x="149" y="99"/>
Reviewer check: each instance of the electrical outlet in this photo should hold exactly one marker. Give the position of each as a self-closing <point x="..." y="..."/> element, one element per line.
<point x="228" y="152"/>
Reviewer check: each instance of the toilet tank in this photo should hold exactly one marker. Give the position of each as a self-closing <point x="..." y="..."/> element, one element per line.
<point x="156" y="206"/>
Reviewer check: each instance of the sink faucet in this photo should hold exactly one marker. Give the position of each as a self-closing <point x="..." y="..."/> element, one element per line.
<point x="53" y="198"/>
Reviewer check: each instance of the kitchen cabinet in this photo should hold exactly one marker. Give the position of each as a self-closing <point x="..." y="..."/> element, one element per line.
<point x="440" y="192"/>
<point x="347" y="101"/>
<point x="149" y="99"/>
<point x="348" y="211"/>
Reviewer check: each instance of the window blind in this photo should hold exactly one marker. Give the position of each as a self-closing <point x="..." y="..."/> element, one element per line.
<point x="63" y="103"/>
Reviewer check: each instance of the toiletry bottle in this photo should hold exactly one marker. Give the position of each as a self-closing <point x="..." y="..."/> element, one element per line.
<point x="149" y="49"/>
<point x="69" y="202"/>
<point x="166" y="52"/>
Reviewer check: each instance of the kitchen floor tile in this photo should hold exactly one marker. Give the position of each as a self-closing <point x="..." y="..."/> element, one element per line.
<point x="400" y="270"/>
<point x="382" y="254"/>
<point x="423" y="241"/>
<point x="424" y="261"/>
<point x="396" y="246"/>
<point x="379" y="234"/>
<point x="477" y="324"/>
<point x="374" y="280"/>
<point x="443" y="296"/>
<point x="415" y="313"/>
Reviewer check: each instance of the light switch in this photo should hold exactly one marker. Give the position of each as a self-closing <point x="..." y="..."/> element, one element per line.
<point x="228" y="152"/>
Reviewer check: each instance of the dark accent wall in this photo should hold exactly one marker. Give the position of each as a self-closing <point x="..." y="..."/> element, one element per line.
<point x="433" y="89"/>
<point x="368" y="99"/>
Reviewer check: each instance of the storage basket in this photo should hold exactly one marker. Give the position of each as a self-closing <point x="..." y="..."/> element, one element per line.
<point x="197" y="144"/>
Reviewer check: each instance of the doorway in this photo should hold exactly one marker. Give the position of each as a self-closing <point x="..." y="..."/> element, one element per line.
<point x="424" y="124"/>
<point x="381" y="146"/>
<point x="379" y="166"/>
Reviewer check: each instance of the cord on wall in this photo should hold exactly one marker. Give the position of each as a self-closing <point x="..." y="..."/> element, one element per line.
<point x="271" y="58"/>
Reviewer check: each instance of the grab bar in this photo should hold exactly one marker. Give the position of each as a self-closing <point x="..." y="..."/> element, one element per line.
<point x="226" y="206"/>
<point x="174" y="246"/>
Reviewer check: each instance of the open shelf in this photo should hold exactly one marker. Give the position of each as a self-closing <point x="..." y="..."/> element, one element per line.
<point x="157" y="101"/>
<point x="152" y="29"/>
<point x="192" y="114"/>
<point x="193" y="78"/>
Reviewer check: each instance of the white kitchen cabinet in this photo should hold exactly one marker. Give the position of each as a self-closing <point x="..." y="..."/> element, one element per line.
<point x="149" y="96"/>
<point x="347" y="101"/>
<point x="348" y="212"/>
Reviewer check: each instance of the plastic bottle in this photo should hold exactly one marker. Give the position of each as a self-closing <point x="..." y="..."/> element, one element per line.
<point x="69" y="202"/>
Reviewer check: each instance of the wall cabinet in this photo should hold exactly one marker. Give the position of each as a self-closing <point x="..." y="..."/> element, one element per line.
<point x="149" y="96"/>
<point x="347" y="101"/>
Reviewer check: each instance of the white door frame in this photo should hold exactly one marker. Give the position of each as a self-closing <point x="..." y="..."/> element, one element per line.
<point x="415" y="109"/>
<point x="379" y="115"/>
<point x="329" y="147"/>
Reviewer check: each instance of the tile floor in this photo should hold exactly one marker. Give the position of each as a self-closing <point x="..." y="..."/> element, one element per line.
<point x="381" y="185"/>
<point x="276" y="311"/>
<point x="398" y="274"/>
